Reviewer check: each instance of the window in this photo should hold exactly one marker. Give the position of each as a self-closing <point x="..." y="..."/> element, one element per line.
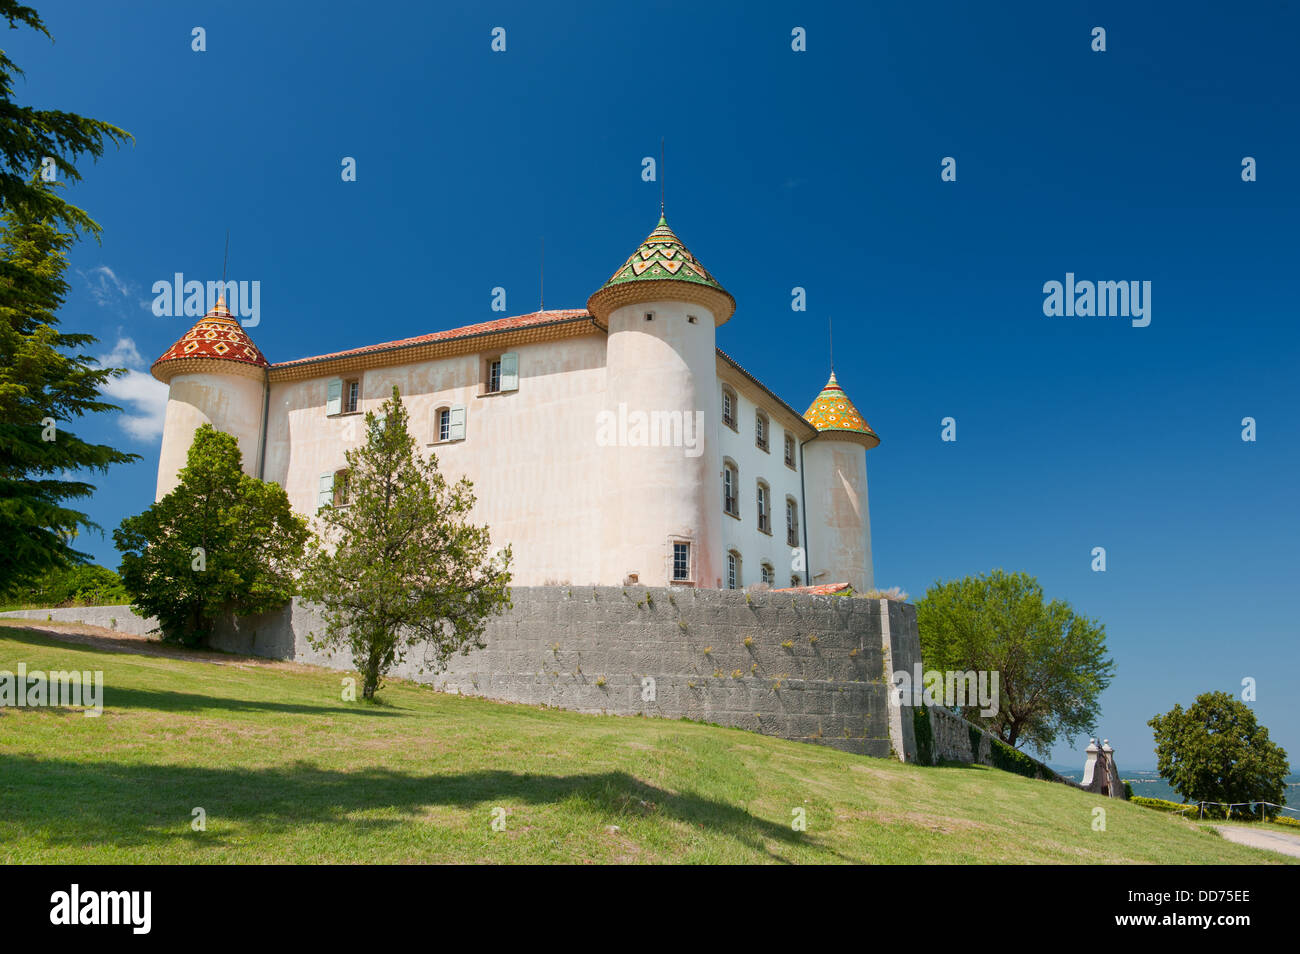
<point x="502" y="374"/>
<point x="769" y="574"/>
<point x="789" y="452"/>
<point x="730" y="484"/>
<point x="649" y="316"/>
<point x="681" y="561"/>
<point x="343" y="396"/>
<point x="692" y="319"/>
<point x="342" y="488"/>
<point x="794" y="580"/>
<point x="791" y="522"/>
<point x="449" y="424"/>
<point x="764" y="508"/>
<point x="733" y="570"/>
<point x="761" y="427"/>
<point x="729" y="407"/>
<point x="333" y="490"/>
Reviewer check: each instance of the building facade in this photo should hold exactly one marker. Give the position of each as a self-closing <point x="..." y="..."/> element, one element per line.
<point x="605" y="444"/>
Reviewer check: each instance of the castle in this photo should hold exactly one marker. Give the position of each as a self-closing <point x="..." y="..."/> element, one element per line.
<point x="605" y="443"/>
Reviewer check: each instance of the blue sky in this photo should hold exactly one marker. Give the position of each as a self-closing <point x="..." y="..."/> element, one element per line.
<point x="819" y="169"/>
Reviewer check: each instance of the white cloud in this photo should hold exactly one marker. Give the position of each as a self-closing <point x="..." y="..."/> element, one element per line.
<point x="143" y="399"/>
<point x="105" y="287"/>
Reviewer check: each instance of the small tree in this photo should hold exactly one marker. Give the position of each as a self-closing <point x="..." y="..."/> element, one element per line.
<point x="221" y="542"/>
<point x="397" y="565"/>
<point x="1051" y="661"/>
<point x="1215" y="751"/>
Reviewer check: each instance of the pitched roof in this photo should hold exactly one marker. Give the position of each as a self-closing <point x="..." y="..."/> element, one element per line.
<point x="833" y="414"/>
<point x="532" y="320"/>
<point x="217" y="336"/>
<point x="661" y="259"/>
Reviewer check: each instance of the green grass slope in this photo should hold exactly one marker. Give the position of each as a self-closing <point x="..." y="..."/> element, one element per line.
<point x="287" y="772"/>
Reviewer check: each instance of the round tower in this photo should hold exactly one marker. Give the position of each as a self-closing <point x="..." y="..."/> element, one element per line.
<point x="660" y="482"/>
<point x="835" y="487"/>
<point x="215" y="375"/>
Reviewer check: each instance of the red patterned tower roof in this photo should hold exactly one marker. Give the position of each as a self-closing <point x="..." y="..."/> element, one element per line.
<point x="217" y="336"/>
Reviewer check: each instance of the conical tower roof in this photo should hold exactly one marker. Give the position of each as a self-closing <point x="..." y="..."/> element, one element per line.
<point x="834" y="416"/>
<point x="216" y="337"/>
<point x="662" y="268"/>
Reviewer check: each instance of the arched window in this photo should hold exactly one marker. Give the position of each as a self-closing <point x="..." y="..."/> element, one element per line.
<point x="769" y="574"/>
<point x="730" y="489"/>
<point x="791" y="522"/>
<point x="764" y="497"/>
<point x="762" y="426"/>
<point x="449" y="423"/>
<point x="342" y="488"/>
<point x="794" y="580"/>
<point x="733" y="570"/>
<point x="729" y="407"/>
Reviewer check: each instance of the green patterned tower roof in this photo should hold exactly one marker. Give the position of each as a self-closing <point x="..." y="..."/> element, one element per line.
<point x="834" y="415"/>
<point x="662" y="268"/>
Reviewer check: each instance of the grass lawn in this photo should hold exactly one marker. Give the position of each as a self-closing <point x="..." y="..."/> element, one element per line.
<point x="287" y="772"/>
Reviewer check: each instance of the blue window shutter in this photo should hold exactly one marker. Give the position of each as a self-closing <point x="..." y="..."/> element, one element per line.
<point x="457" y="423"/>
<point x="510" y="371"/>
<point x="325" y="492"/>
<point x="334" y="397"/>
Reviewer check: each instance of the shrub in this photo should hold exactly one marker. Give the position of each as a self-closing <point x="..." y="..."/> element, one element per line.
<point x="924" y="735"/>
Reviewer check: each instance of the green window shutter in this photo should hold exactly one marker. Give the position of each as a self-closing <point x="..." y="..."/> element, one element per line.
<point x="325" y="491"/>
<point x="334" y="398"/>
<point x="510" y="372"/>
<point x="457" y="423"/>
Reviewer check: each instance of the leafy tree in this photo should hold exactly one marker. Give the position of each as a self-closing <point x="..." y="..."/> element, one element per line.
<point x="397" y="565"/>
<point x="221" y="542"/>
<point x="1051" y="661"/>
<point x="80" y="585"/>
<point x="1215" y="751"/>
<point x="29" y="136"/>
<point x="46" y="380"/>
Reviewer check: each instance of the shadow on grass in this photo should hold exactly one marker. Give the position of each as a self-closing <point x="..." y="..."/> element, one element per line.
<point x="166" y="701"/>
<point x="81" y="803"/>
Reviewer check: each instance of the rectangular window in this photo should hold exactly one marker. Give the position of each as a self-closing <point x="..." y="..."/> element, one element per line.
<point x="760" y="432"/>
<point x="681" y="561"/>
<point x="729" y="503"/>
<point x="494" y="376"/>
<point x="769" y="575"/>
<point x="444" y="424"/>
<point x="789" y="451"/>
<point x="763" y="524"/>
<point x="733" y="571"/>
<point x="342" y="489"/>
<point x="352" y="398"/>
<point x="791" y="524"/>
<point x="728" y="408"/>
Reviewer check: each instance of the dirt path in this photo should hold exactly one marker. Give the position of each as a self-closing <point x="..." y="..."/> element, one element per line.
<point x="1262" y="838"/>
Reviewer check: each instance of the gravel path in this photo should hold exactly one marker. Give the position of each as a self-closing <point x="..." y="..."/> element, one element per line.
<point x="1262" y="838"/>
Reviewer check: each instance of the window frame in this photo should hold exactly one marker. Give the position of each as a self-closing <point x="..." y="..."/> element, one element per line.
<point x="763" y="502"/>
<point x="791" y="522"/>
<point x="735" y="578"/>
<point x="791" y="452"/>
<point x="688" y="569"/>
<point x="730" y="398"/>
<point x="730" y="481"/>
<point x="762" y="431"/>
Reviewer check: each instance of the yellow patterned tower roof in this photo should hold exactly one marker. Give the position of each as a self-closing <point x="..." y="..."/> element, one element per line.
<point x="834" y="416"/>
<point x="662" y="269"/>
